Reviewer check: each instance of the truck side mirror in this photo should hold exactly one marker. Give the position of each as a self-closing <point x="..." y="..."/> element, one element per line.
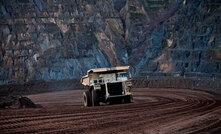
<point x="130" y="77"/>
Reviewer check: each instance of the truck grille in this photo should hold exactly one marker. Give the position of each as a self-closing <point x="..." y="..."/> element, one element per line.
<point x="115" y="88"/>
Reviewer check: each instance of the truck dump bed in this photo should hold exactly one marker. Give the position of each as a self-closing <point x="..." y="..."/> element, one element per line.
<point x="86" y="81"/>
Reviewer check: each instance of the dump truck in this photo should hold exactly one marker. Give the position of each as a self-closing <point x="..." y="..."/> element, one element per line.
<point x="108" y="85"/>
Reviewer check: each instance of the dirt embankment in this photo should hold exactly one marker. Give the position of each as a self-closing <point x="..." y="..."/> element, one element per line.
<point x="33" y="87"/>
<point x="40" y="86"/>
<point x="201" y="83"/>
<point x="157" y="111"/>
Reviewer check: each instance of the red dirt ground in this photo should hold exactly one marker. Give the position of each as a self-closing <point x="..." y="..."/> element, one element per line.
<point x="154" y="111"/>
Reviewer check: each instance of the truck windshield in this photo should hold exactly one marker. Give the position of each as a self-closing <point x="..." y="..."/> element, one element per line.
<point x="122" y="75"/>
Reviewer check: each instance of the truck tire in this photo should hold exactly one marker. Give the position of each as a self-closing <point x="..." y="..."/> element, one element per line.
<point x="95" y="98"/>
<point x="127" y="99"/>
<point x="87" y="99"/>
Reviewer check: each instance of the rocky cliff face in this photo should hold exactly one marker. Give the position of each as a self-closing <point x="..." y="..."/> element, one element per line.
<point x="50" y="39"/>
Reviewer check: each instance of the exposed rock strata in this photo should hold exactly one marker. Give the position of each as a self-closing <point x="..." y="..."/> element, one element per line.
<point x="63" y="39"/>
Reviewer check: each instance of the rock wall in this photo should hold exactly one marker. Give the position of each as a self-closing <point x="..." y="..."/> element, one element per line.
<point x="186" y="41"/>
<point x="62" y="39"/>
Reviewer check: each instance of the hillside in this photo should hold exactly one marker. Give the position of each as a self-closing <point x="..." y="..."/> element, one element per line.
<point x="44" y="40"/>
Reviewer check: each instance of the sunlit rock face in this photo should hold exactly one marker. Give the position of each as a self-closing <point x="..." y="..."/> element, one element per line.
<point x="49" y="39"/>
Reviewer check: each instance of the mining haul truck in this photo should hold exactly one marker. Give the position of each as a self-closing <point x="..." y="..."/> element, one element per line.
<point x="107" y="85"/>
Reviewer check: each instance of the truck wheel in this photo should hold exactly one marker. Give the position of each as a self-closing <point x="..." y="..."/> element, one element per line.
<point x="127" y="99"/>
<point x="87" y="99"/>
<point x="95" y="98"/>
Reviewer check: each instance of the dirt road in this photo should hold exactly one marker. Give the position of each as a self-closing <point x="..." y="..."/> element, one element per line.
<point x="154" y="111"/>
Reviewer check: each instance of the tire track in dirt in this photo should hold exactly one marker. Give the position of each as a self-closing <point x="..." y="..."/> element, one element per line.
<point x="153" y="110"/>
<point x="60" y="118"/>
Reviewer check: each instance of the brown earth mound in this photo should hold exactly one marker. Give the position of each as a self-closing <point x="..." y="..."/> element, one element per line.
<point x="16" y="102"/>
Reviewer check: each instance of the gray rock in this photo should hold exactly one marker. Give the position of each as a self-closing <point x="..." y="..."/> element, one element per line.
<point x="63" y="39"/>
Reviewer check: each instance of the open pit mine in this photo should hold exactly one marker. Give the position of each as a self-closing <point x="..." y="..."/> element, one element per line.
<point x="110" y="66"/>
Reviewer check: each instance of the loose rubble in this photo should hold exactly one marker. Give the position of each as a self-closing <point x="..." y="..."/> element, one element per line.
<point x="17" y="102"/>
